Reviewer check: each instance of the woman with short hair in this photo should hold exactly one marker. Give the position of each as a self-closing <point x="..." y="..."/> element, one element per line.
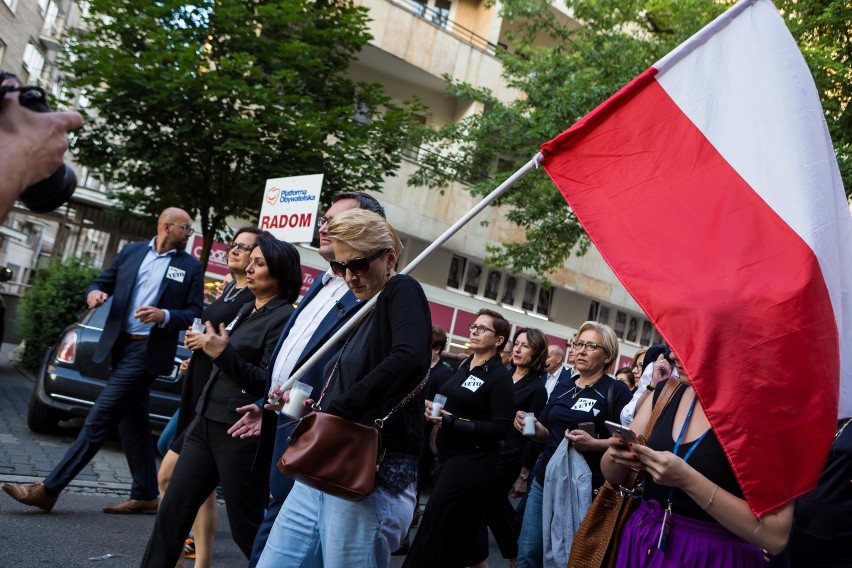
<point x="385" y="357"/>
<point x="589" y="400"/>
<point x="475" y="419"/>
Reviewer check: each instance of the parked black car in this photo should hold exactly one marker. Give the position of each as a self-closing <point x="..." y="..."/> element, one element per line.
<point x="69" y="381"/>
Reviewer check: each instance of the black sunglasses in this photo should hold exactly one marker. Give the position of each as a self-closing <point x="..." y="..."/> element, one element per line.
<point x="357" y="266"/>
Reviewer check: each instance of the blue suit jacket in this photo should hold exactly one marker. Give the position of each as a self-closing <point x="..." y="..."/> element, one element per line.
<point x="182" y="295"/>
<point x="335" y="317"/>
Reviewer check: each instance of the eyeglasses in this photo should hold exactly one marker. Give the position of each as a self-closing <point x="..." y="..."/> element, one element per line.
<point x="581" y="346"/>
<point x="479" y="328"/>
<point x="323" y="220"/>
<point x="186" y="228"/>
<point x="242" y="247"/>
<point x="357" y="266"/>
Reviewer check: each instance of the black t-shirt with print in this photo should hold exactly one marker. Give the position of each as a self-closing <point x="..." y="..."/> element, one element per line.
<point x="570" y="405"/>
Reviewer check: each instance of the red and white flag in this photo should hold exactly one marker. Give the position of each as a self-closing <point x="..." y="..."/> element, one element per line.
<point x="710" y="186"/>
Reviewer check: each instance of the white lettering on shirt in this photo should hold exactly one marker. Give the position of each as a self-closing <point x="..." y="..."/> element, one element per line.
<point x="584" y="404"/>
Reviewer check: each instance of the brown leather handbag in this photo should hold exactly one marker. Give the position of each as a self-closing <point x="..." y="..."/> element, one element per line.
<point x="596" y="542"/>
<point x="335" y="455"/>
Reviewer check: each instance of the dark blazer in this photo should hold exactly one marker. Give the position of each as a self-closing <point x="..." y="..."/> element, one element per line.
<point x="184" y="300"/>
<point x="239" y="372"/>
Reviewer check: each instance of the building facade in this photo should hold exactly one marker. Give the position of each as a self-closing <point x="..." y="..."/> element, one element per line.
<point x="415" y="44"/>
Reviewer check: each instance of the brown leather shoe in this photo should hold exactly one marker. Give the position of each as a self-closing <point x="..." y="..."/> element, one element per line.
<point x="34" y="495"/>
<point x="133" y="507"/>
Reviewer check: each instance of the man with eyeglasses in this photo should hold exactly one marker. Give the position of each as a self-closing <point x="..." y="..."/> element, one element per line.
<point x="555" y="370"/>
<point x="156" y="290"/>
<point x="327" y="305"/>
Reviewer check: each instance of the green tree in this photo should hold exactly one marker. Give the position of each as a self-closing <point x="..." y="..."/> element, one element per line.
<point x="196" y="104"/>
<point x="53" y="302"/>
<point x="565" y="71"/>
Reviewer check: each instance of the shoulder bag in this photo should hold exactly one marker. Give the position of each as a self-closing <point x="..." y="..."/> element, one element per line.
<point x="335" y="455"/>
<point x="596" y="542"/>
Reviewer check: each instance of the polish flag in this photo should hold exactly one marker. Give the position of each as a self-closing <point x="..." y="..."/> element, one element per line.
<point x="710" y="186"/>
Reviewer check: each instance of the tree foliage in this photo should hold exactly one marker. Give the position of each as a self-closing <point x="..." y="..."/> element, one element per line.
<point x="197" y="104"/>
<point x="53" y="302"/>
<point x="565" y="71"/>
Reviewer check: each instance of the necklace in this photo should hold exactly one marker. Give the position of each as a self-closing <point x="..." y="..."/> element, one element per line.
<point x="578" y="389"/>
<point x="231" y="293"/>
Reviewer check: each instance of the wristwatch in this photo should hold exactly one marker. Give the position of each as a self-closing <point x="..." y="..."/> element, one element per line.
<point x="524" y="477"/>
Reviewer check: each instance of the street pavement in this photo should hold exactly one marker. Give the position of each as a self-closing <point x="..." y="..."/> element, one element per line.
<point x="76" y="533"/>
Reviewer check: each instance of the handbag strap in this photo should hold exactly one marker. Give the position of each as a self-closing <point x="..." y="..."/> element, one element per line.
<point x="380" y="422"/>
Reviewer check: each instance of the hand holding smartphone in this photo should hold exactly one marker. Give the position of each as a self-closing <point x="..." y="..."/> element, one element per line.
<point x="626" y="433"/>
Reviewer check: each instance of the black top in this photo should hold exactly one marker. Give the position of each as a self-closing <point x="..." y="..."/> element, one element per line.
<point x="200" y="365"/>
<point x="826" y="512"/>
<point x="530" y="396"/>
<point x="386" y="358"/>
<point x="708" y="459"/>
<point x="570" y="405"/>
<point x="239" y="372"/>
<point x="480" y="401"/>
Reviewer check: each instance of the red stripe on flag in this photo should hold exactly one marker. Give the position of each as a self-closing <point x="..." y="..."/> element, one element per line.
<point x="736" y="293"/>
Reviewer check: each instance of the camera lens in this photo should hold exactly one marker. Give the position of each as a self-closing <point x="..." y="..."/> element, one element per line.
<point x="52" y="192"/>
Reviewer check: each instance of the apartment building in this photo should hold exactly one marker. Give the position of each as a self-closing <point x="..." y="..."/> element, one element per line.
<point x="415" y="43"/>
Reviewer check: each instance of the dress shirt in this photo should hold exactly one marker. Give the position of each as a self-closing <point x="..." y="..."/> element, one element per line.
<point x="306" y="323"/>
<point x="551" y="381"/>
<point x="148" y="279"/>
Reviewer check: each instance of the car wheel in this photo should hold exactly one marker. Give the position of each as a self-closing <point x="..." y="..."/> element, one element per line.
<point x="41" y="418"/>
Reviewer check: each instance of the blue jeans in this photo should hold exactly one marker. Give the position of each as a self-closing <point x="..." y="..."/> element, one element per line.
<point x="317" y="530"/>
<point x="167" y="436"/>
<point x="531" y="541"/>
<point x="280" y="486"/>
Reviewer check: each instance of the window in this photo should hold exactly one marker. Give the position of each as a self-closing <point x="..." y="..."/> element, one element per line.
<point x="593" y="311"/>
<point x="33" y="62"/>
<point x="436" y="11"/>
<point x="474" y="275"/>
<point x="632" y="329"/>
<point x="509" y="290"/>
<point x="529" y="295"/>
<point x="620" y="324"/>
<point x="603" y="315"/>
<point x="545" y="295"/>
<point x="454" y="278"/>
<point x="646" y="333"/>
<point x="492" y="285"/>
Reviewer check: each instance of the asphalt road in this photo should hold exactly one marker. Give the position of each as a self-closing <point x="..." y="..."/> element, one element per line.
<point x="76" y="533"/>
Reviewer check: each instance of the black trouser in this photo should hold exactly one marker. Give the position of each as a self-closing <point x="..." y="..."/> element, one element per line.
<point x="498" y="513"/>
<point x="210" y="455"/>
<point x="451" y="524"/>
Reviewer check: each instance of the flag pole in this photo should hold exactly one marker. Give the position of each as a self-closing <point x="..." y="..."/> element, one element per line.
<point x="445" y="236"/>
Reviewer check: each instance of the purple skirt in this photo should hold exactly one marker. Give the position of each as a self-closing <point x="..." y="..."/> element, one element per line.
<point x="693" y="543"/>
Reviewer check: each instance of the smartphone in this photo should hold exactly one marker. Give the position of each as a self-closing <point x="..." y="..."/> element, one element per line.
<point x="588" y="427"/>
<point x="626" y="433"/>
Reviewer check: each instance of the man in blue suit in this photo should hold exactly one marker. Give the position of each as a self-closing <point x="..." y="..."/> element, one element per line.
<point x="156" y="290"/>
<point x="327" y="305"/>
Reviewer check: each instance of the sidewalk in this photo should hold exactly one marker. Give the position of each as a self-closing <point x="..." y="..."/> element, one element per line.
<point x="26" y="457"/>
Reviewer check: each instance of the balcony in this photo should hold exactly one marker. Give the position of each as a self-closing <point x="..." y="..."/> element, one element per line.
<point x="430" y="43"/>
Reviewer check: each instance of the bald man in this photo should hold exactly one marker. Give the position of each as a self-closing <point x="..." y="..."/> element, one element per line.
<point x="156" y="290"/>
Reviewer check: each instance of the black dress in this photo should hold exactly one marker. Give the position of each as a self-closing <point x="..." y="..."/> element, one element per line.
<point x="481" y="402"/>
<point x="223" y="310"/>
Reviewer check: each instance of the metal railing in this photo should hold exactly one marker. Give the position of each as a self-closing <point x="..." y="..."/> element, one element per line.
<point x="441" y="19"/>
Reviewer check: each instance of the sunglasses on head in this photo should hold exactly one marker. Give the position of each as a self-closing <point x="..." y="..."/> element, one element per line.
<point x="357" y="266"/>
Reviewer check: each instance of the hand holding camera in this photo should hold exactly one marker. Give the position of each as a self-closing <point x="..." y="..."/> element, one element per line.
<point x="33" y="141"/>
